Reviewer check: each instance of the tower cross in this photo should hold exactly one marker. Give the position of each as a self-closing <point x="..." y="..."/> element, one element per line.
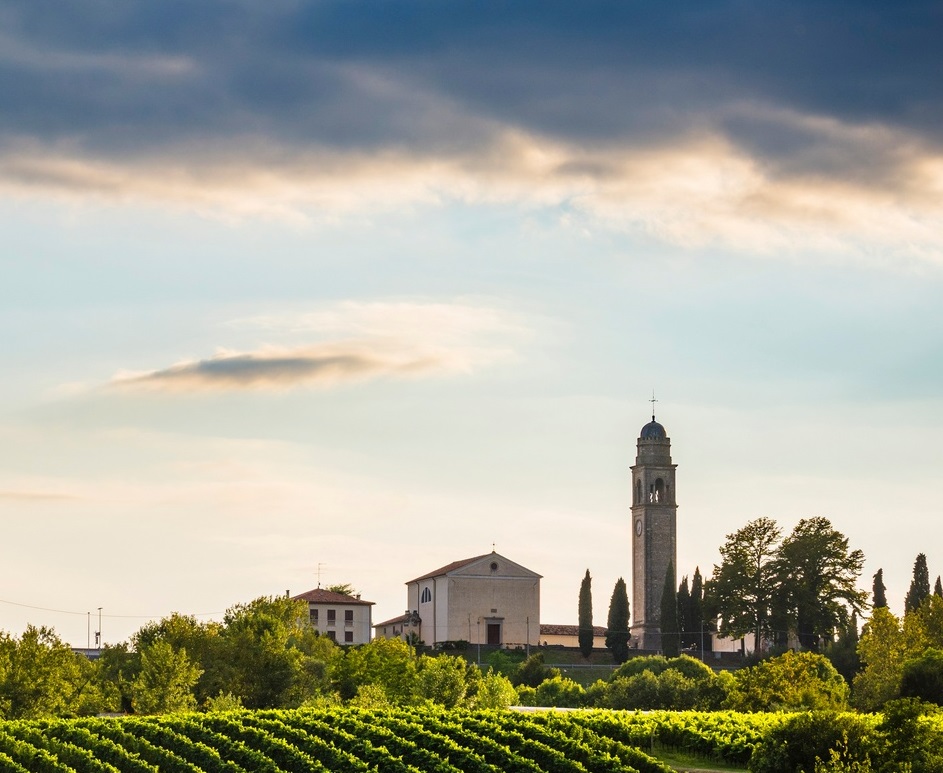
<point x="653" y="401"/>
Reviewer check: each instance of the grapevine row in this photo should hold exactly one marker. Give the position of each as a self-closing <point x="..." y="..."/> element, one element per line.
<point x="411" y="740"/>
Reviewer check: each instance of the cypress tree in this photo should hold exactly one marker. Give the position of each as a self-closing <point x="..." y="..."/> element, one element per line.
<point x="670" y="637"/>
<point x="938" y="588"/>
<point x="919" y="585"/>
<point x="585" y="616"/>
<point x="879" y="591"/>
<point x="617" y="624"/>
<point x="698" y="625"/>
<point x="684" y="613"/>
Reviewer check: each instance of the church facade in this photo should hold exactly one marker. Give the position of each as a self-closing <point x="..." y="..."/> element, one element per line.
<point x="487" y="600"/>
<point x="654" y="532"/>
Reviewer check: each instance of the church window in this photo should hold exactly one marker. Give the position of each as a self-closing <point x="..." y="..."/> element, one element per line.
<point x="426" y="596"/>
<point x="659" y="490"/>
<point x="494" y="567"/>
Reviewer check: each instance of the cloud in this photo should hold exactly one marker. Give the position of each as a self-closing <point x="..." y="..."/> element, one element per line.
<point x="280" y="369"/>
<point x="798" y="127"/>
<point x="393" y="340"/>
<point x="34" y="496"/>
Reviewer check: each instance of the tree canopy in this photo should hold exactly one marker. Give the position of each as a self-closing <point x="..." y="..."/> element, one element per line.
<point x="805" y="583"/>
<point x="745" y="583"/>
<point x="818" y="578"/>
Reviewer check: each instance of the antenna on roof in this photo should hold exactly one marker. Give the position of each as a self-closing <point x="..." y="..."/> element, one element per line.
<point x="319" y="574"/>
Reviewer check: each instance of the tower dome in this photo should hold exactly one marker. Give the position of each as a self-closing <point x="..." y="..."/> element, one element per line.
<point x="653" y="431"/>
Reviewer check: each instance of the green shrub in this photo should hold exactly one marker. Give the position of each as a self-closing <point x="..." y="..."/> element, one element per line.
<point x="923" y="677"/>
<point x="908" y="739"/>
<point x="560" y="691"/>
<point x="815" y="738"/>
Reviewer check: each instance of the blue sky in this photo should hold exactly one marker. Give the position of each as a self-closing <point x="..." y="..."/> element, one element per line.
<point x="377" y="285"/>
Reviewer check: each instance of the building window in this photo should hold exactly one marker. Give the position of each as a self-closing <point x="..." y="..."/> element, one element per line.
<point x="426" y="596"/>
<point x="314" y="617"/>
<point x="348" y="637"/>
<point x="348" y="615"/>
<point x="331" y="616"/>
<point x="332" y="636"/>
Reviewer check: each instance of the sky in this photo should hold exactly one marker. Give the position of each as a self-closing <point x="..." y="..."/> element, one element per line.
<point x="346" y="291"/>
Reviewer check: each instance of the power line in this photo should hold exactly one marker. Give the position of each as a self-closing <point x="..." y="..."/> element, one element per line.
<point x="125" y="617"/>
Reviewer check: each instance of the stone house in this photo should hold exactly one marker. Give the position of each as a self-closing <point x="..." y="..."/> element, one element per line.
<point x="342" y="618"/>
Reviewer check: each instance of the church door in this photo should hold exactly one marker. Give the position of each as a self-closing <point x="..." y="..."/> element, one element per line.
<point x="494" y="633"/>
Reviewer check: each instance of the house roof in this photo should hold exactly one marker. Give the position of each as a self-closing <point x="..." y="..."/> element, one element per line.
<point x="320" y="596"/>
<point x="548" y="629"/>
<point x="450" y="567"/>
<point x="392" y="620"/>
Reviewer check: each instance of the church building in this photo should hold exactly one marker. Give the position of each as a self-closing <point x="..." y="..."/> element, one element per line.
<point x="654" y="532"/>
<point x="487" y="600"/>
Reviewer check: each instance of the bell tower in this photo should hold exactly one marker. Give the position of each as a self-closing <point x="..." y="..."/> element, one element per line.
<point x="654" y="531"/>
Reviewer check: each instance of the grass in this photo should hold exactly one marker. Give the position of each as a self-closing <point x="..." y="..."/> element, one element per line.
<point x="689" y="762"/>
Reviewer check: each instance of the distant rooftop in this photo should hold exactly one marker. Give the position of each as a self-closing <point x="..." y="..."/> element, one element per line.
<point x="319" y="596"/>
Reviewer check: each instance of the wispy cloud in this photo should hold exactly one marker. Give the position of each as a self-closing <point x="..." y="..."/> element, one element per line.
<point x="363" y="341"/>
<point x="279" y="369"/>
<point x="34" y="496"/>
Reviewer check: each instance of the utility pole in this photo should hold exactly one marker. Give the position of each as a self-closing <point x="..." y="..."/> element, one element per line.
<point x="98" y="633"/>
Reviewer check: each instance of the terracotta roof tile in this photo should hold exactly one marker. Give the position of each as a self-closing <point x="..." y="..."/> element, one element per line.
<point x="548" y="629"/>
<point x="392" y="621"/>
<point x="450" y="567"/>
<point x="320" y="596"/>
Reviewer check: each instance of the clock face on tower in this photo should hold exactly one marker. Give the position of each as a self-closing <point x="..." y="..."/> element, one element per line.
<point x="638" y="528"/>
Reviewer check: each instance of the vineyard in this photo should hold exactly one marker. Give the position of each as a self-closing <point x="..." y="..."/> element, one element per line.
<point x="426" y="740"/>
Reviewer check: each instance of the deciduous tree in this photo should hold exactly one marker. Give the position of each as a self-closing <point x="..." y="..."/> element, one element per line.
<point x="39" y="675"/>
<point x="882" y="649"/>
<point x="818" y="576"/>
<point x="165" y="682"/>
<point x="745" y="584"/>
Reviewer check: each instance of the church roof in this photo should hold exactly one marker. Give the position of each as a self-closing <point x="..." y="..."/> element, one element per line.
<point x="653" y="431"/>
<point x="549" y="629"/>
<point x="508" y="568"/>
<point x="450" y="567"/>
